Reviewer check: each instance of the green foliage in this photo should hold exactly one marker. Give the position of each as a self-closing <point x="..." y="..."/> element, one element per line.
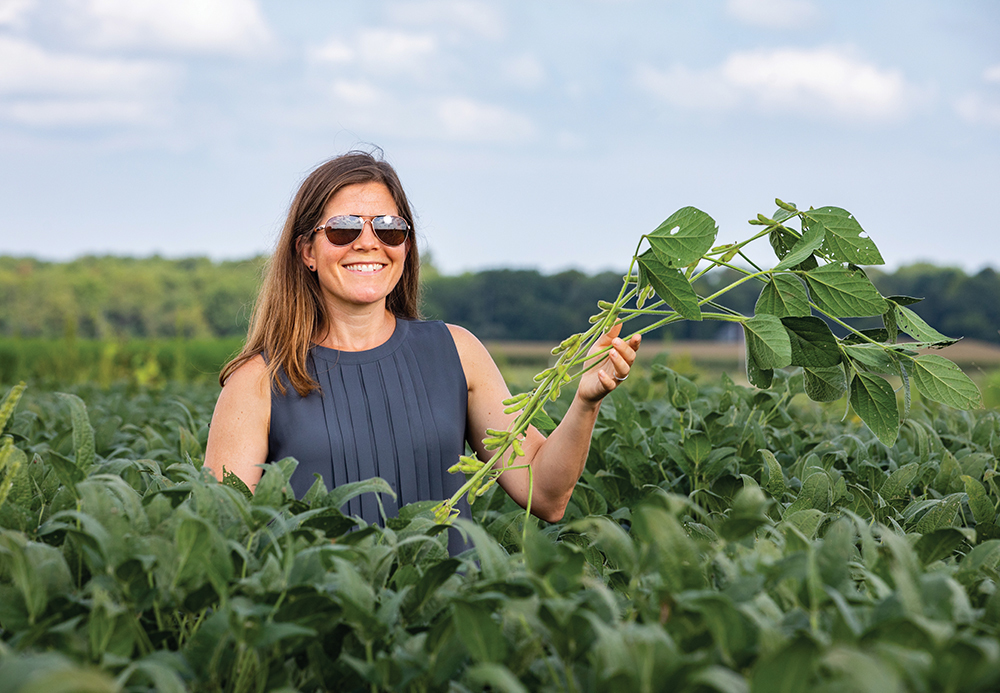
<point x="780" y="333"/>
<point x="722" y="538"/>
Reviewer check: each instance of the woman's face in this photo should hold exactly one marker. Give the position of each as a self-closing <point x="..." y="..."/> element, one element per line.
<point x="361" y="273"/>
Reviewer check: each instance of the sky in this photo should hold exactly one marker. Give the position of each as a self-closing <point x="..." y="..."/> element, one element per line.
<point x="548" y="134"/>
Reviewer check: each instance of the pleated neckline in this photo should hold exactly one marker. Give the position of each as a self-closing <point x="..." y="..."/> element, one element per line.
<point x="337" y="356"/>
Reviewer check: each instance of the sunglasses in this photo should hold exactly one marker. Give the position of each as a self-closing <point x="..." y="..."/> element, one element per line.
<point x="344" y="229"/>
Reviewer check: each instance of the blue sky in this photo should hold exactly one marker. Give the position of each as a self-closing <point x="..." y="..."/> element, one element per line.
<point x="547" y="134"/>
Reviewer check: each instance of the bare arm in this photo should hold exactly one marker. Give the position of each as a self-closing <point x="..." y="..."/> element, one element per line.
<point x="557" y="461"/>
<point x="237" y="438"/>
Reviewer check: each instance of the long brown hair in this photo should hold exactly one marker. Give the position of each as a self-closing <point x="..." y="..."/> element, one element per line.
<point x="290" y="309"/>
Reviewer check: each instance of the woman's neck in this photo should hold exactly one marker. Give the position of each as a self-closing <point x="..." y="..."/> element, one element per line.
<point x="357" y="331"/>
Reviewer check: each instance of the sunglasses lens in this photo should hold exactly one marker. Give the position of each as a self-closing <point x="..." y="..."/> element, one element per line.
<point x="343" y="230"/>
<point x="391" y="230"/>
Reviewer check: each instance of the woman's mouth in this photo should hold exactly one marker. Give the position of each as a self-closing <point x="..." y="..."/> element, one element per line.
<point x="364" y="267"/>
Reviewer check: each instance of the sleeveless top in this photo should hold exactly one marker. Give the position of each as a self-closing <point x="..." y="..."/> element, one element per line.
<point x="397" y="411"/>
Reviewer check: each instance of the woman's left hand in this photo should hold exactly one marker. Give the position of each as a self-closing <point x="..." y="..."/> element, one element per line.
<point x="596" y="383"/>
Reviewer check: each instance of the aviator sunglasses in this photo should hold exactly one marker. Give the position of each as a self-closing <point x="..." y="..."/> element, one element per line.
<point x="344" y="229"/>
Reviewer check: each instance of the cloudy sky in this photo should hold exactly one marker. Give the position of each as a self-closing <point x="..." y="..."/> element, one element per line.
<point x="548" y="134"/>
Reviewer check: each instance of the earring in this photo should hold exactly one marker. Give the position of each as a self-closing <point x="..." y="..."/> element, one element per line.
<point x="312" y="268"/>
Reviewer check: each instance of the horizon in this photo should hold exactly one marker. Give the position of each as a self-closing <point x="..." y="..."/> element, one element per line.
<point x="548" y="136"/>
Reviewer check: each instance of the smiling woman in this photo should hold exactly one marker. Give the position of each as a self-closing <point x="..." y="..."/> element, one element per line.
<point x="340" y="373"/>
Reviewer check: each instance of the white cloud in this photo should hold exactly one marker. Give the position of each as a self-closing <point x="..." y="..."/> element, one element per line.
<point x="690" y="89"/>
<point x="75" y="112"/>
<point x="381" y="52"/>
<point x="979" y="109"/>
<point x="357" y="94"/>
<point x="467" y="120"/>
<point x="823" y="82"/>
<point x="524" y="72"/>
<point x="774" y="14"/>
<point x="463" y="17"/>
<point x="13" y="12"/>
<point x="187" y="26"/>
<point x="52" y="89"/>
<point x="27" y="69"/>
<point x="992" y="74"/>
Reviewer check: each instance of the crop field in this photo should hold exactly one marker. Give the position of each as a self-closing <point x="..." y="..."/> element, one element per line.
<point x="722" y="538"/>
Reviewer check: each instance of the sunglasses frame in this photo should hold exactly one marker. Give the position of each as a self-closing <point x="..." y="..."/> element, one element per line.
<point x="365" y="219"/>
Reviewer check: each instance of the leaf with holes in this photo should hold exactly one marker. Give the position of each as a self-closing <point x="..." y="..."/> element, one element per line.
<point x="844" y="239"/>
<point x="684" y="237"/>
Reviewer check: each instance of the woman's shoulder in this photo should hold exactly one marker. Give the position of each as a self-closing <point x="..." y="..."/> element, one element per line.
<point x="470" y="349"/>
<point x="249" y="378"/>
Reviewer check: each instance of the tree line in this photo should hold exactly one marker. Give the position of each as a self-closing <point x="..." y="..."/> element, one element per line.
<point x="196" y="298"/>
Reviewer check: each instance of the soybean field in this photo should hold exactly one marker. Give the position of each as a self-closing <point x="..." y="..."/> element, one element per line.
<point x="722" y="538"/>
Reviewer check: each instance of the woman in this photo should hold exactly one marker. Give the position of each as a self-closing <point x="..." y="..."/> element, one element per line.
<point x="339" y="373"/>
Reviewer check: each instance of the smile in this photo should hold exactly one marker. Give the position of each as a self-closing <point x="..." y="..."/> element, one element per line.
<point x="366" y="267"/>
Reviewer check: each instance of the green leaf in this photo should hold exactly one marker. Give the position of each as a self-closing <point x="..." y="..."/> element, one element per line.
<point x="83" y="432"/>
<point x="230" y="479"/>
<point x="941" y="515"/>
<point x="493" y="677"/>
<point x="670" y="284"/>
<point x="825" y="384"/>
<point x="900" y="481"/>
<point x="845" y="240"/>
<point x="802" y="250"/>
<point x="767" y="342"/>
<point x="542" y="421"/>
<point x="813" y="344"/>
<point x="939" y="544"/>
<point x="784" y="296"/>
<point x="759" y="377"/>
<point x="788" y="670"/>
<point x="913" y="325"/>
<point x="816" y="493"/>
<point x="610" y="539"/>
<point x="775" y="484"/>
<point x="480" y="634"/>
<point x="844" y="292"/>
<point x="9" y="403"/>
<point x="720" y="679"/>
<point x="939" y="379"/>
<point x="345" y="492"/>
<point x="873" y="359"/>
<point x="875" y="402"/>
<point x="683" y="238"/>
<point x="980" y="504"/>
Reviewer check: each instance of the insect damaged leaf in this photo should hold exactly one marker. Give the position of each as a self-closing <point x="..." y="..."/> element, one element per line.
<point x="683" y="237"/>
<point x="844" y="239"/>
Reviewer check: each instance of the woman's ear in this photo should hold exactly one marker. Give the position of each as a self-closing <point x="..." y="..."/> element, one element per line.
<point x="305" y="248"/>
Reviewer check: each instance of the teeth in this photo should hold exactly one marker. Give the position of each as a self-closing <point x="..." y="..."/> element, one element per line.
<point x="370" y="267"/>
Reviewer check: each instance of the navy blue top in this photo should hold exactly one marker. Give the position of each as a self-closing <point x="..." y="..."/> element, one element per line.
<point x="397" y="411"/>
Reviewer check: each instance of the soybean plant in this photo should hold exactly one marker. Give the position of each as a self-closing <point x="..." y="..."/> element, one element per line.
<point x="817" y="281"/>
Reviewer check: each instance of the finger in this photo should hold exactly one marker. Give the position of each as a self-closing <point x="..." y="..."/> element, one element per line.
<point x="607" y="380"/>
<point x="624" y="348"/>
<point x="609" y="336"/>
